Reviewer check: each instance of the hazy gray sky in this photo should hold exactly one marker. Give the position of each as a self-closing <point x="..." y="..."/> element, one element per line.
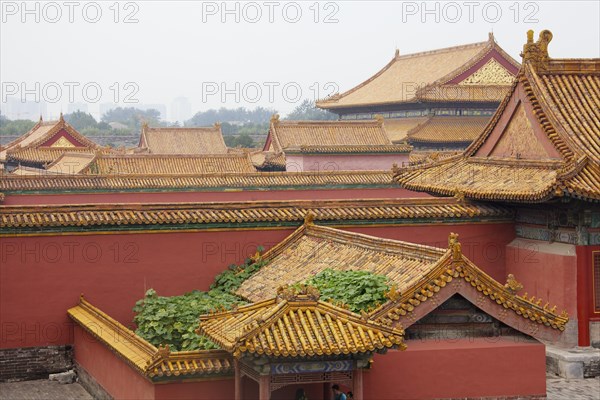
<point x="195" y="49"/>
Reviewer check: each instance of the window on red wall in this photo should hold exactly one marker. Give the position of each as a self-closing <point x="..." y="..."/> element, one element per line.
<point x="596" y="276"/>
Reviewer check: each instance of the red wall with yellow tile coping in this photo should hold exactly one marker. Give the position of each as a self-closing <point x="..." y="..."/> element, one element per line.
<point x="475" y="367"/>
<point x="43" y="276"/>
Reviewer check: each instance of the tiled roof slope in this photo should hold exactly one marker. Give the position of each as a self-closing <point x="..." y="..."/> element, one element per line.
<point x="176" y="164"/>
<point x="155" y="364"/>
<point x="441" y="129"/>
<point x="297" y="326"/>
<point x="195" y="181"/>
<point x="188" y="140"/>
<point x="424" y="76"/>
<point x="286" y="135"/>
<point x="282" y="212"/>
<point x="398" y="128"/>
<point x="543" y="141"/>
<point x="312" y="249"/>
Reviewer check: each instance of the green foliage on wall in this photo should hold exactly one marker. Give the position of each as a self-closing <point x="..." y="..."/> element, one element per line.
<point x="355" y="290"/>
<point x="173" y="320"/>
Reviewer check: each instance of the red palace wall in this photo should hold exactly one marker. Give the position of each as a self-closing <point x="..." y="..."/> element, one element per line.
<point x="123" y="382"/>
<point x="43" y="276"/>
<point x="474" y="368"/>
<point x="427" y="369"/>
<point x="181" y="197"/>
<point x="113" y="374"/>
<point x="586" y="311"/>
<point x="547" y="271"/>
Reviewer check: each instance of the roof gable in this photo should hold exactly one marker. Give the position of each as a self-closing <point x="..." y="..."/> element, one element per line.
<point x="46" y="142"/>
<point x="491" y="73"/>
<point x="543" y="141"/>
<point x="518" y="139"/>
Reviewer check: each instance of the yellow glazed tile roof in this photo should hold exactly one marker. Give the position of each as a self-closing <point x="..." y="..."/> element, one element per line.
<point x="91" y="215"/>
<point x="407" y="78"/>
<point x="31" y="146"/>
<point x="71" y="163"/>
<point x="176" y="164"/>
<point x="151" y="362"/>
<point x="296" y="134"/>
<point x="189" y="181"/>
<point x="188" y="140"/>
<point x="398" y="128"/>
<point x="417" y="157"/>
<point x="455" y="266"/>
<point x="441" y="129"/>
<point x="297" y="326"/>
<point x="417" y="272"/>
<point x="44" y="155"/>
<point x="342" y="149"/>
<point x="312" y="249"/>
<point x="565" y="98"/>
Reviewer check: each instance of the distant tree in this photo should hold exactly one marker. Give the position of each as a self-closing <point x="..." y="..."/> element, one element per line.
<point x="245" y="140"/>
<point x="14" y="128"/>
<point x="80" y="120"/>
<point x="132" y="117"/>
<point x="308" y="111"/>
<point x="240" y="115"/>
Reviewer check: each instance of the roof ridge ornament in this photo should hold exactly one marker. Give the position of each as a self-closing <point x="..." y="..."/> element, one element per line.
<point x="299" y="292"/>
<point x="379" y="118"/>
<point x="536" y="53"/>
<point x="275" y="119"/>
<point x="512" y="285"/>
<point x="309" y="218"/>
<point x="455" y="246"/>
<point x="61" y="118"/>
<point x="397" y="54"/>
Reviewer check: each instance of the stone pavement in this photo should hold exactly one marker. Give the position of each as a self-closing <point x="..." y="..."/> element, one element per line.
<point x="42" y="390"/>
<point x="572" y="389"/>
<point x="558" y="389"/>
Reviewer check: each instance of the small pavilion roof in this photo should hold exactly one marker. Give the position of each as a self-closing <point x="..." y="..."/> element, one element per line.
<point x="297" y="326"/>
<point x="464" y="73"/>
<point x="188" y="140"/>
<point x="46" y="142"/>
<point x="416" y="272"/>
<point x="543" y="141"/>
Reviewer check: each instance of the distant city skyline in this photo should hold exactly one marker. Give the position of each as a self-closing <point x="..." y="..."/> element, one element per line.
<point x="215" y="59"/>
